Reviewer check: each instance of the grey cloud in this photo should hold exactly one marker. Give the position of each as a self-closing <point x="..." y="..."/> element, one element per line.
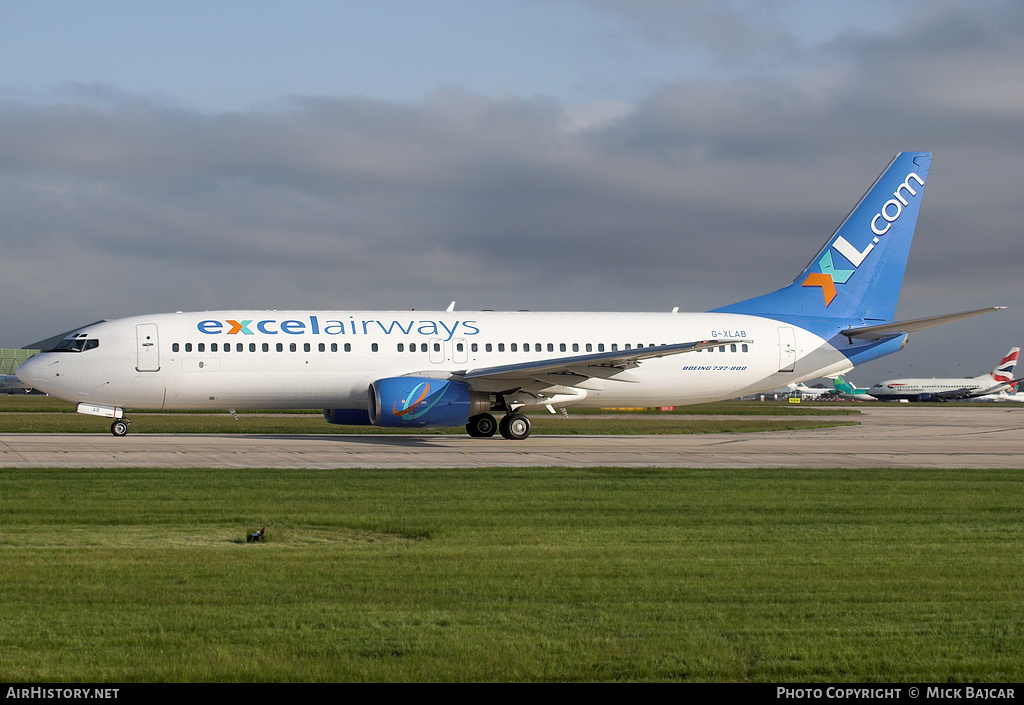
<point x="702" y="194"/>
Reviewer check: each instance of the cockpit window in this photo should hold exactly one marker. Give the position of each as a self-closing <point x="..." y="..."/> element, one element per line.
<point x="76" y="344"/>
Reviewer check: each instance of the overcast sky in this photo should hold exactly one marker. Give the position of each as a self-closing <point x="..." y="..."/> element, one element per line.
<point x="512" y="154"/>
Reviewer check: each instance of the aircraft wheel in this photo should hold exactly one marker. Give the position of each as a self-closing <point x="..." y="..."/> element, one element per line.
<point x="119" y="427"/>
<point x="515" y="427"/>
<point x="481" y="426"/>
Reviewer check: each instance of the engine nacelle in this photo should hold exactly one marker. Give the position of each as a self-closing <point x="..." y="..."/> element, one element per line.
<point x="421" y="401"/>
<point x="347" y="417"/>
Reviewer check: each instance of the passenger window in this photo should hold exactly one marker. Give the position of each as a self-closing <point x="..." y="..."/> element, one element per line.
<point x="266" y="347"/>
<point x="280" y="347"/>
<point x="590" y="347"/>
<point x="252" y="347"/>
<point x="459" y="347"/>
<point x="174" y="347"/>
<point x="615" y="346"/>
<point x="201" y="347"/>
<point x="239" y="347"/>
<point x="473" y="348"/>
<point x="488" y="347"/>
<point x="501" y="347"/>
<point x="600" y="347"/>
<point x="213" y="347"/>
<point x="732" y="348"/>
<point x="744" y="348"/>
<point x="348" y="347"/>
<point x="305" y="347"/>
<point x="437" y="347"/>
<point x="374" y="347"/>
<point x="334" y="347"/>
<point x="401" y="347"/>
<point x="292" y="347"/>
<point x="512" y="347"/>
<point x="188" y="347"/>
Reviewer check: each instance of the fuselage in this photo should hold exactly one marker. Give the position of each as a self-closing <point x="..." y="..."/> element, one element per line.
<point x="325" y="359"/>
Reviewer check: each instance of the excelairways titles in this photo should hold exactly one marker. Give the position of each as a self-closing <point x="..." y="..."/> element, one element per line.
<point x="890" y="213"/>
<point x="312" y="325"/>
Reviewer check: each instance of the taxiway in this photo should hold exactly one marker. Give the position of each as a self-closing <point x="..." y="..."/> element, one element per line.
<point x="990" y="436"/>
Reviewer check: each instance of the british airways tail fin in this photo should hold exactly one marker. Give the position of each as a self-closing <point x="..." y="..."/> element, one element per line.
<point x="1004" y="370"/>
<point x="858" y="273"/>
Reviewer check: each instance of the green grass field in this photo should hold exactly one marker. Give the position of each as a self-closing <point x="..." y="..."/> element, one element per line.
<point x="511" y="575"/>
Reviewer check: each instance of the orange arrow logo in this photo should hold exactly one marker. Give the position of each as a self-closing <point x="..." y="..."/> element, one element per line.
<point x="828" y="286"/>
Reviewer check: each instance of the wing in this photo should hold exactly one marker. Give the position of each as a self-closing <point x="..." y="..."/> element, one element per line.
<point x="965" y="393"/>
<point x="553" y="375"/>
<point x="962" y="393"/>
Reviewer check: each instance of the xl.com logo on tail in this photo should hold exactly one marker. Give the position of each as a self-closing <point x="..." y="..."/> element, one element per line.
<point x="829" y="276"/>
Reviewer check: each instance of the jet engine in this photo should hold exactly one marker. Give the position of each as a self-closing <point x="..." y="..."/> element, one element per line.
<point x="422" y="401"/>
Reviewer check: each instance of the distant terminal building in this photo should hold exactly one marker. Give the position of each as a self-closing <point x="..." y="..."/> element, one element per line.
<point x="11" y="358"/>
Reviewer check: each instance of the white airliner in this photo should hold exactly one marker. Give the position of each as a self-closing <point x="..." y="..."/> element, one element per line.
<point x="938" y="389"/>
<point x="408" y="369"/>
<point x="10" y="383"/>
<point x="803" y="390"/>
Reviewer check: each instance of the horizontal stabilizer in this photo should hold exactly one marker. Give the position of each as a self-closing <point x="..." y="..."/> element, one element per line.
<point x="886" y="329"/>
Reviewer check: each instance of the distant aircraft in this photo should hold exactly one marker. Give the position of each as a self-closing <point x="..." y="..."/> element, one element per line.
<point x="938" y="389"/>
<point x="9" y="383"/>
<point x="445" y="368"/>
<point x="804" y="391"/>
<point x="845" y="390"/>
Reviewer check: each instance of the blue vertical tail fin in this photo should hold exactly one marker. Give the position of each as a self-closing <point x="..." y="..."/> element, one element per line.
<point x="857" y="275"/>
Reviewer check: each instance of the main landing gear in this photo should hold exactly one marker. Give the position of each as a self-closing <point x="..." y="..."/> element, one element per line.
<point x="514" y="427"/>
<point x="481" y="426"/>
<point x="120" y="427"/>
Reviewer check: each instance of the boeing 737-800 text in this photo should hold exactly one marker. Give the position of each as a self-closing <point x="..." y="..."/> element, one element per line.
<point x="405" y="369"/>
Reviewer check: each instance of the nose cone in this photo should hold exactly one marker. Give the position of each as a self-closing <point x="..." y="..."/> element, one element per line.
<point x="39" y="372"/>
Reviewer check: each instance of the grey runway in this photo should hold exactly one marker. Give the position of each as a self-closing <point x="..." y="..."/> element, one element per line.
<point x="986" y="436"/>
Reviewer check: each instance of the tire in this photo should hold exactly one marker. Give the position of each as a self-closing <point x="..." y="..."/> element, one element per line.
<point x="481" y="426"/>
<point x="515" y="427"/>
<point x="119" y="428"/>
